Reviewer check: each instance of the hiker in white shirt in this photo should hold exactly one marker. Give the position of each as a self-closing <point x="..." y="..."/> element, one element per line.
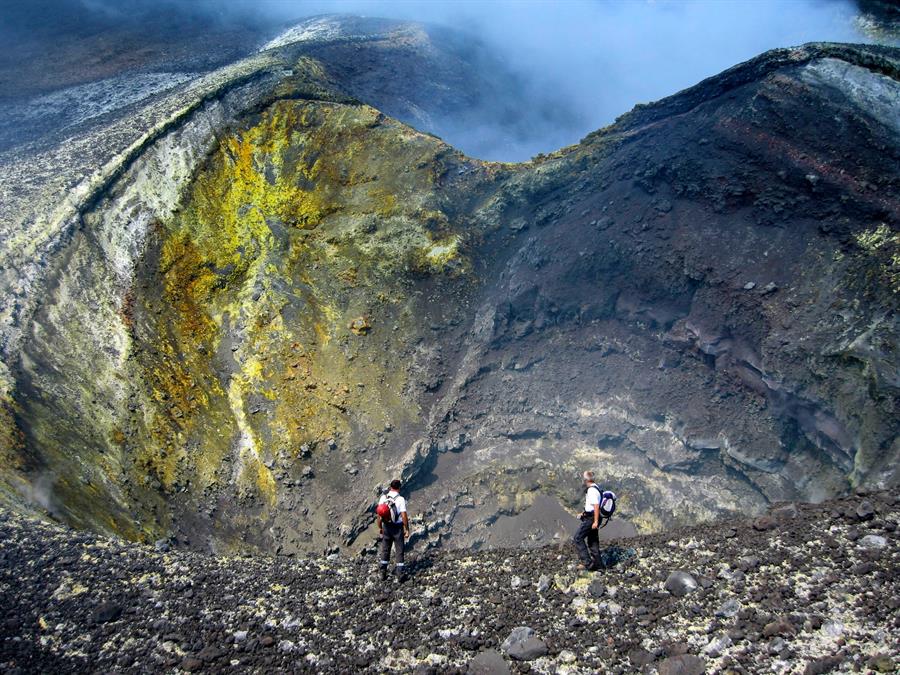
<point x="588" y="531"/>
<point x="393" y="526"/>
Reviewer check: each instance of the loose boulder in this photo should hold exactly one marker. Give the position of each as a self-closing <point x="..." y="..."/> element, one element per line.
<point x="528" y="650"/>
<point x="684" y="664"/>
<point x="518" y="634"/>
<point x="865" y="510"/>
<point x="823" y="665"/>
<point x="764" y="524"/>
<point x="872" y="542"/>
<point x="729" y="608"/>
<point x="680" y="583"/>
<point x="488" y="662"/>
<point x="522" y="645"/>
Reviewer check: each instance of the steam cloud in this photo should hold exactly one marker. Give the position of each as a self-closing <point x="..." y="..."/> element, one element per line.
<point x="595" y="58"/>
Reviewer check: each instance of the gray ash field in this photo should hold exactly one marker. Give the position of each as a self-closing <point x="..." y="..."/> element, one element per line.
<point x="804" y="589"/>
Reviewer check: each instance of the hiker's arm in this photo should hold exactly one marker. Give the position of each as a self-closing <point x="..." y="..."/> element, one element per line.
<point x="380" y="524"/>
<point x="596" y="516"/>
<point x="405" y="523"/>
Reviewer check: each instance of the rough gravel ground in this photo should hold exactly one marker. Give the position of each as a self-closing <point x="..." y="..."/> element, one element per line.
<point x="808" y="588"/>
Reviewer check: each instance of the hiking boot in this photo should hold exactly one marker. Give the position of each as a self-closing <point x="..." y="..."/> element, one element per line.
<point x="384" y="572"/>
<point x="400" y="575"/>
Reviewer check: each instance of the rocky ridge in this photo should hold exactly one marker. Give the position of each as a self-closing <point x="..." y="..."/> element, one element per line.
<point x="804" y="589"/>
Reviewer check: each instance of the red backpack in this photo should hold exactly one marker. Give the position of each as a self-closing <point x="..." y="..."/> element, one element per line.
<point x="387" y="510"/>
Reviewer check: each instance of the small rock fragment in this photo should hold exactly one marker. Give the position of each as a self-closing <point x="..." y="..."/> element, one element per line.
<point x="729" y="608"/>
<point x="717" y="645"/>
<point x="361" y="325"/>
<point x="779" y="627"/>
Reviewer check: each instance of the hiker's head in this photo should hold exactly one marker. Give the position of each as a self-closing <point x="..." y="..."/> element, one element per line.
<point x="396" y="484"/>
<point x="588" y="477"/>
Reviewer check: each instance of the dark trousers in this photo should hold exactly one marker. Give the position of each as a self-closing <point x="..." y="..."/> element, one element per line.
<point x="587" y="538"/>
<point x="392" y="535"/>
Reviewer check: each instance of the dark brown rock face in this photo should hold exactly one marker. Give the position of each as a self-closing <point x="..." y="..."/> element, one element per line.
<point x="698" y="301"/>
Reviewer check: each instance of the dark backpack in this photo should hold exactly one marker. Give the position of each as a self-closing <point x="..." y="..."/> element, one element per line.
<point x="607" y="504"/>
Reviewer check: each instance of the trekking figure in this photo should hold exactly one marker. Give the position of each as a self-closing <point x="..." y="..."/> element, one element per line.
<point x="393" y="526"/>
<point x="598" y="507"/>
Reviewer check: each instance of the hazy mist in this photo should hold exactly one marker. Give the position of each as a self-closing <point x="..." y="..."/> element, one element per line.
<point x="596" y="59"/>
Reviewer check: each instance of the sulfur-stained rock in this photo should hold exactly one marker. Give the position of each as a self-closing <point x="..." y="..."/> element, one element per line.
<point x="361" y="325"/>
<point x="881" y="663"/>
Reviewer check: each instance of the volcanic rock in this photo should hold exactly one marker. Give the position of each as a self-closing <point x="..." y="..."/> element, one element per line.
<point x="256" y="609"/>
<point x="527" y="650"/>
<point x="872" y="542"/>
<point x="680" y="583"/>
<point x="488" y="662"/>
<point x="865" y="511"/>
<point x="684" y="664"/>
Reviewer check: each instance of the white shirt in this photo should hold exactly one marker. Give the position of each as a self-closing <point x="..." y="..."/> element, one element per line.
<point x="591" y="497"/>
<point x="399" y="502"/>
